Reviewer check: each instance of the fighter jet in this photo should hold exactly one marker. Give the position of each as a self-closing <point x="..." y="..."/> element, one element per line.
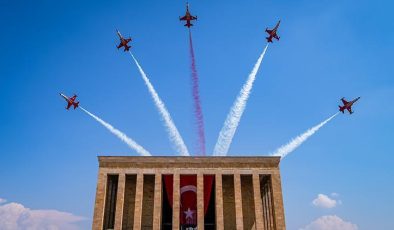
<point x="70" y="101"/>
<point x="272" y="33"/>
<point x="123" y="42"/>
<point x="347" y="105"/>
<point x="188" y="17"/>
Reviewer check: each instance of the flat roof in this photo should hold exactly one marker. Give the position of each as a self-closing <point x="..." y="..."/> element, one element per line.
<point x="189" y="161"/>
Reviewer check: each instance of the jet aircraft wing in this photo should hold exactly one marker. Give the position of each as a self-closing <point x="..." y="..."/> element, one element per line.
<point x="68" y="105"/>
<point x="73" y="98"/>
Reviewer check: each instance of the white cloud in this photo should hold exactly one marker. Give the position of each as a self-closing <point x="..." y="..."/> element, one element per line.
<point x="2" y="200"/>
<point x="323" y="201"/>
<point x="334" y="194"/>
<point x="330" y="223"/>
<point x="14" y="216"/>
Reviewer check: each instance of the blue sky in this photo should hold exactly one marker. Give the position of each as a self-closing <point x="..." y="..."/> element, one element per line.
<point x="328" y="50"/>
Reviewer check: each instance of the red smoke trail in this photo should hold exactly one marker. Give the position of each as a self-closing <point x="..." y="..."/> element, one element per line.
<point x="196" y="99"/>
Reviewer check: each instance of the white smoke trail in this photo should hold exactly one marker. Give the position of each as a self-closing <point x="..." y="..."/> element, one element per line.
<point x="174" y="135"/>
<point x="294" y="143"/>
<point x="234" y="116"/>
<point x="131" y="143"/>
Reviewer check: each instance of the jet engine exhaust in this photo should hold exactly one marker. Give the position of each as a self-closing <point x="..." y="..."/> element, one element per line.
<point x="196" y="99"/>
<point x="296" y="142"/>
<point x="131" y="143"/>
<point x="173" y="133"/>
<point x="234" y="116"/>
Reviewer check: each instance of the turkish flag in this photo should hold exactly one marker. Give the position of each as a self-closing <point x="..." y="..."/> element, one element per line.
<point x="188" y="192"/>
<point x="188" y="199"/>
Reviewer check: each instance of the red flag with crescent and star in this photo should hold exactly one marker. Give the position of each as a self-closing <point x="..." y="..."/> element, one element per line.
<point x="188" y="196"/>
<point x="188" y="192"/>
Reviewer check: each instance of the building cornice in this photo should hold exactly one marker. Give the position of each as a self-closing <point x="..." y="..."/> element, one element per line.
<point x="188" y="162"/>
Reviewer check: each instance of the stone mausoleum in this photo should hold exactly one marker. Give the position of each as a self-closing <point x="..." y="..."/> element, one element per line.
<point x="188" y="193"/>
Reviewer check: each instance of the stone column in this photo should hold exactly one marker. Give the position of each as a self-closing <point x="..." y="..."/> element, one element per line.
<point x="138" y="201"/>
<point x="219" y="202"/>
<point x="267" y="210"/>
<point x="238" y="202"/>
<point x="120" y="201"/>
<point x="200" y="201"/>
<point x="176" y="196"/>
<point x="270" y="205"/>
<point x="157" y="202"/>
<point x="98" y="216"/>
<point x="277" y="201"/>
<point x="258" y="203"/>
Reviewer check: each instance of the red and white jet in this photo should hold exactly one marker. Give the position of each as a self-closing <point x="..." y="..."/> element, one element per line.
<point x="273" y="33"/>
<point x="70" y="101"/>
<point x="188" y="17"/>
<point x="347" y="105"/>
<point x="123" y="42"/>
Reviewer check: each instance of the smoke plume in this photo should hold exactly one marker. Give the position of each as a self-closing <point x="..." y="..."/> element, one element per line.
<point x="234" y="116"/>
<point x="294" y="143"/>
<point x="173" y="133"/>
<point x="131" y="143"/>
<point x="196" y="99"/>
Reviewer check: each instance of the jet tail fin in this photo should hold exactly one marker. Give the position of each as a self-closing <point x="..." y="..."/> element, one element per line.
<point x="76" y="104"/>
